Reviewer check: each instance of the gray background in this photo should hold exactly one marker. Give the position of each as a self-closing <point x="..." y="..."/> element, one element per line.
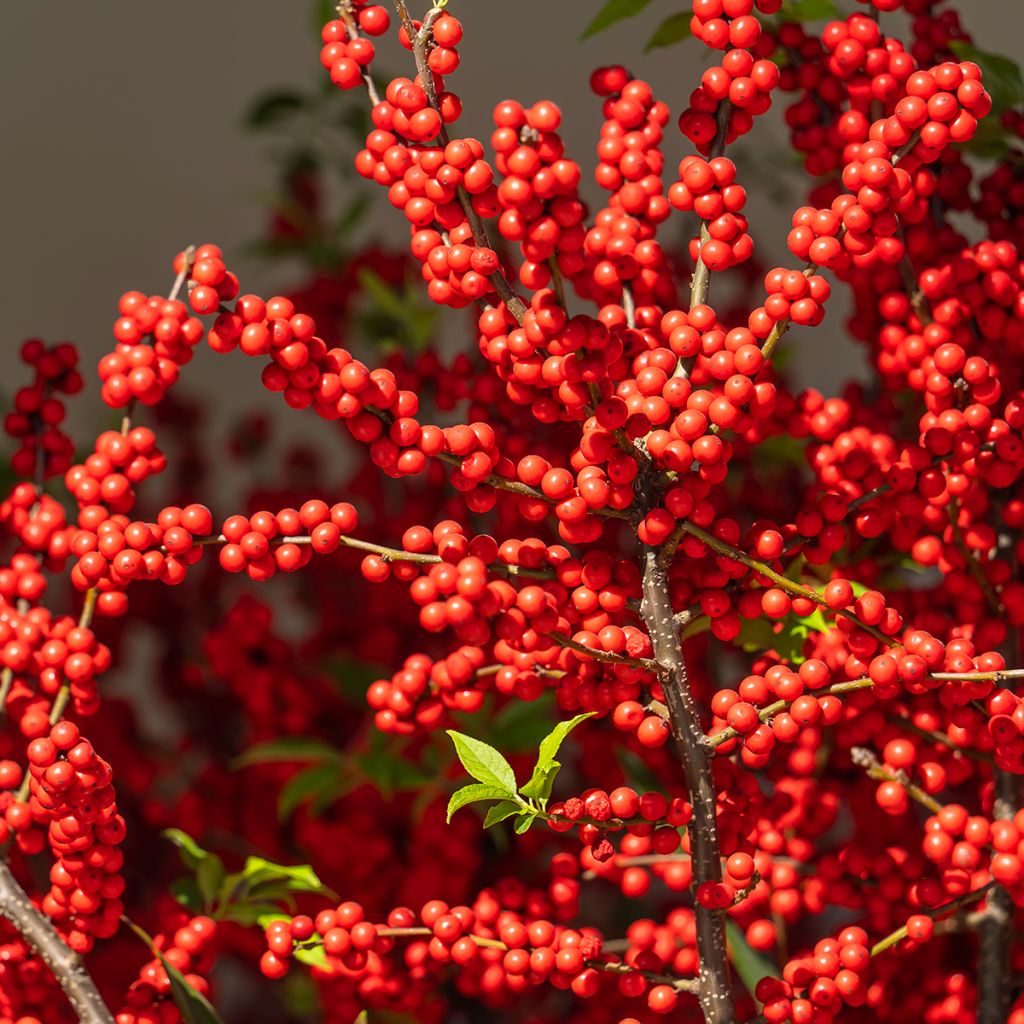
<point x="122" y="143"/>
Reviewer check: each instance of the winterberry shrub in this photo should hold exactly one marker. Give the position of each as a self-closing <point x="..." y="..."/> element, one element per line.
<point x="701" y="693"/>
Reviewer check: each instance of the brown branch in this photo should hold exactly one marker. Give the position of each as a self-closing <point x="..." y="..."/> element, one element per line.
<point x="697" y="756"/>
<point x="66" y="965"/>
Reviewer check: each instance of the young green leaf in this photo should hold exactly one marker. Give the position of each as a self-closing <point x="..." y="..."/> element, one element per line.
<point x="471" y="795"/>
<point x="484" y="763"/>
<point x="612" y="12"/>
<point x="544" y="771"/>
<point x="318" y="785"/>
<point x="674" y="29"/>
<point x="257" y="873"/>
<point x="499" y="812"/>
<point x="523" y="822"/>
<point x="550" y="745"/>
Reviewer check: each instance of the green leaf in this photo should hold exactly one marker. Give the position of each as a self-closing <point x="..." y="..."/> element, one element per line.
<point x="266" y="920"/>
<point x="523" y="823"/>
<point x="471" y="795"/>
<point x="749" y="964"/>
<point x="287" y="749"/>
<point x="209" y="876"/>
<point x="259" y="873"/>
<point x="499" y="812"/>
<point x="544" y="771"/>
<point x="674" y="29"/>
<point x="313" y="956"/>
<point x="320" y="785"/>
<point x="809" y="10"/>
<point x="483" y="762"/>
<point x="192" y="854"/>
<point x="273" y="108"/>
<point x="551" y="744"/>
<point x="250" y="913"/>
<point x="1000" y="75"/>
<point x="612" y="12"/>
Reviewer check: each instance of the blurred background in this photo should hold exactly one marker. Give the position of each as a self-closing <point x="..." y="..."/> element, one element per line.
<point x="132" y="129"/>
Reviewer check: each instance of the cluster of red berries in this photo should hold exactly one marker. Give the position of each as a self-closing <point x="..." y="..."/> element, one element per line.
<point x="266" y="542"/>
<point x="596" y="813"/>
<point x="119" y="462"/>
<point x="539" y="191"/>
<point x="188" y="949"/>
<point x="113" y="550"/>
<point x="346" y="54"/>
<point x="709" y="189"/>
<point x="37" y="411"/>
<point x="155" y="336"/>
<point x="961" y="845"/>
<point x="70" y="790"/>
<point x="745" y="78"/>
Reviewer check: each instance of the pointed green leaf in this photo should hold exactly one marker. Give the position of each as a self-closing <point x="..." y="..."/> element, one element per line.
<point x="612" y="12"/>
<point x="523" y="823"/>
<point x="288" y="749"/>
<point x="192" y="854"/>
<point x="499" y="812"/>
<point x="471" y="795"/>
<point x="541" y="782"/>
<point x="674" y="29"/>
<point x="550" y="745"/>
<point x="259" y="873"/>
<point x="483" y="762"/>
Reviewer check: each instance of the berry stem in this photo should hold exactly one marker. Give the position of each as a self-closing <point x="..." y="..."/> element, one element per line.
<point x="783" y="582"/>
<point x="617" y="967"/>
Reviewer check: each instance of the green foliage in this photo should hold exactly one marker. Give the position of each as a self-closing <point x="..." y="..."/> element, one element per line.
<point x="396" y="318"/>
<point x="331" y="773"/>
<point x="785" y="638"/>
<point x="483" y="762"/>
<point x="674" y="29"/>
<point x="809" y="10"/>
<point x="496" y="780"/>
<point x="262" y="887"/>
<point x="544" y="771"/>
<point x="611" y="13"/>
